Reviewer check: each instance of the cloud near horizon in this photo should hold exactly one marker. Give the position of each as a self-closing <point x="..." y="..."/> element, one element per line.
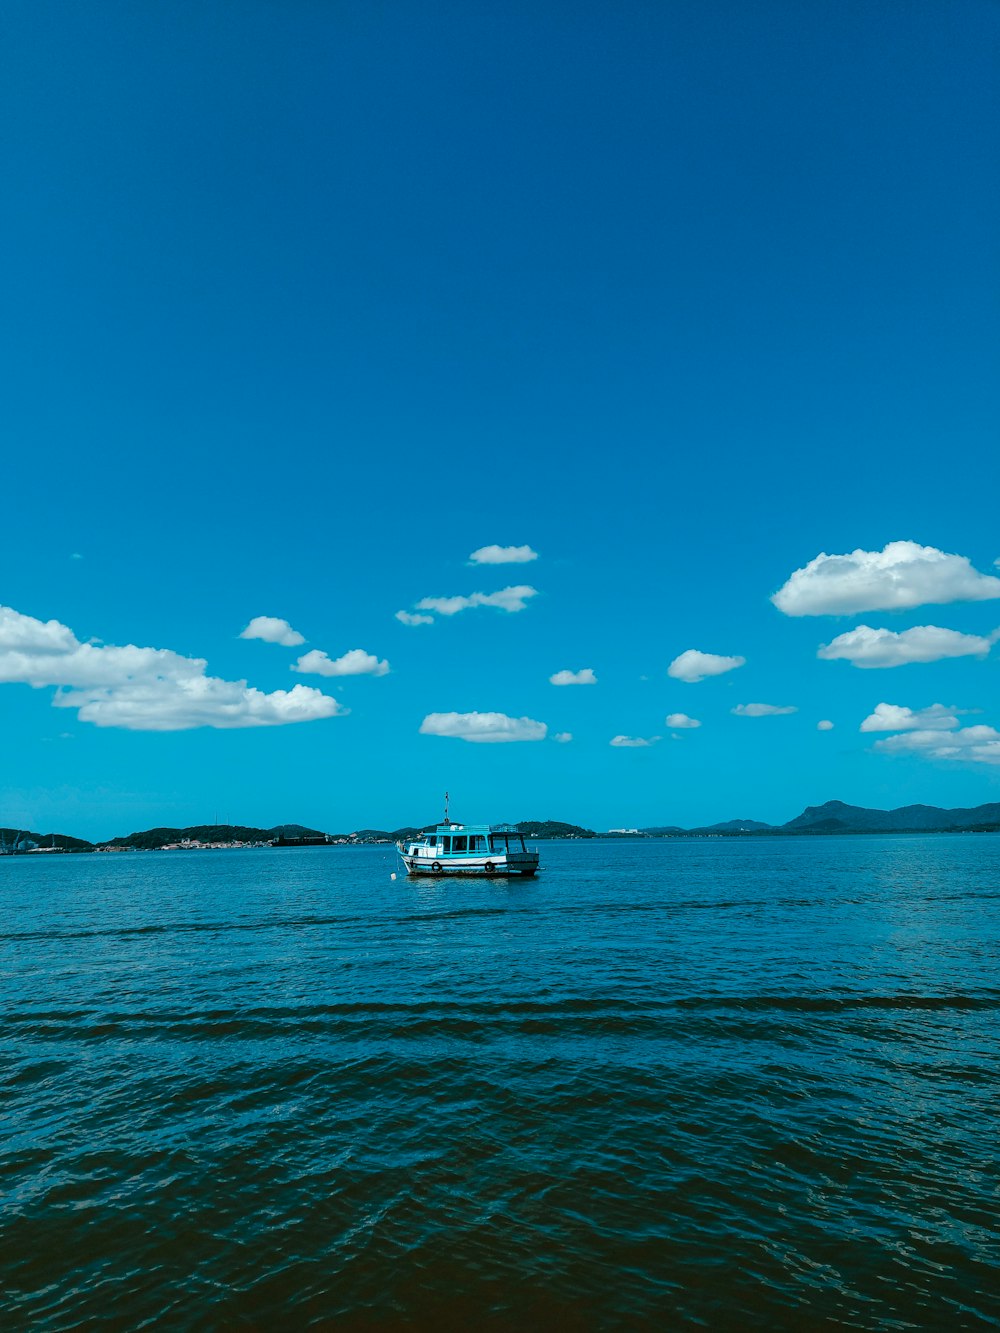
<point x="483" y="728"/>
<point x="410" y="618"/>
<point x="142" y="689"/>
<point x="824" y="725"/>
<point x="893" y="717"/>
<point x="583" y="677"/>
<point x="763" y="710"/>
<point x="693" y="666"/>
<point x="503" y="555"/>
<point x="900" y="576"/>
<point x="633" y="742"/>
<point x="273" y="630"/>
<point x="870" y="648"/>
<point x="974" y="745"/>
<point x="681" y="721"/>
<point x="563" y="737"/>
<point x="354" y="663"/>
<point x="507" y="599"/>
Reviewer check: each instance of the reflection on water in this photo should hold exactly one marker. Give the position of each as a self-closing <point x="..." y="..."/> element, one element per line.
<point x="724" y="1083"/>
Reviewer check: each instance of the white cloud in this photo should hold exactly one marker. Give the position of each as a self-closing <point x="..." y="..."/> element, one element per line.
<point x="507" y="599"/>
<point x="563" y="737"/>
<point x="633" y="742"/>
<point x="502" y="555"/>
<point x="483" y="727"/>
<point x="583" y="677"/>
<point x="197" y="701"/>
<point x="409" y="618"/>
<point x="975" y="745"/>
<point x="680" y="721"/>
<point x="273" y="630"/>
<point x="142" y="689"/>
<point x="867" y="647"/>
<point x="825" y="725"/>
<point x="76" y="556"/>
<point x="894" y="717"/>
<point x="762" y="710"/>
<point x="903" y="574"/>
<point x="25" y="634"/>
<point x="693" y="665"/>
<point x="354" y="663"/>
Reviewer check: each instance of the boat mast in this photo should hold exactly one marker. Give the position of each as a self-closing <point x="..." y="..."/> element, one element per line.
<point x="446" y="798"/>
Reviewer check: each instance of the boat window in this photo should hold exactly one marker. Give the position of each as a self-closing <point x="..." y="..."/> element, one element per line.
<point x="476" y="844"/>
<point x="445" y="843"/>
<point x="497" y="843"/>
<point x="459" y="844"/>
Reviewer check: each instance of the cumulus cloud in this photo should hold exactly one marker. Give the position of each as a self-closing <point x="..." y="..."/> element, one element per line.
<point x="503" y="555"/>
<point x="894" y="717"/>
<point x="583" y="677"/>
<point x="196" y="701"/>
<point x="762" y="710"/>
<point x="507" y="599"/>
<point x="692" y="665"/>
<point x="142" y="689"/>
<point x="483" y="727"/>
<point x="409" y="618"/>
<point x="902" y="575"/>
<point x="33" y="638"/>
<point x="825" y="725"/>
<point x="974" y="745"/>
<point x="633" y="742"/>
<point x="354" y="663"/>
<point x="681" y="721"/>
<point x="867" y="647"/>
<point x="563" y="737"/>
<point x="273" y="630"/>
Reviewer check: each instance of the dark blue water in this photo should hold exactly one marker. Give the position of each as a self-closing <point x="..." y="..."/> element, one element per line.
<point x="733" y="1084"/>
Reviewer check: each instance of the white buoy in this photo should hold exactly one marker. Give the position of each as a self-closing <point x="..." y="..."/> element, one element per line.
<point x="392" y="875"/>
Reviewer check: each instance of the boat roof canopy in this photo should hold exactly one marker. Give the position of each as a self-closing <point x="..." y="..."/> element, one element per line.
<point x="472" y="828"/>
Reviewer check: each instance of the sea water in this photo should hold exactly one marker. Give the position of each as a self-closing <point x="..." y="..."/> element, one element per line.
<point x="735" y="1083"/>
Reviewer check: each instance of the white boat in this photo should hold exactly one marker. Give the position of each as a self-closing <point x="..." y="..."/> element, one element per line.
<point x="469" y="849"/>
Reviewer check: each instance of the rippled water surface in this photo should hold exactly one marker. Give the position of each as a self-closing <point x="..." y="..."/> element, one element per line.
<point x="733" y="1084"/>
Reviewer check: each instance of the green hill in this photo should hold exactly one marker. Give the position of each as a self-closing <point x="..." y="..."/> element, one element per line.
<point x="24" y="838"/>
<point x="552" y="828"/>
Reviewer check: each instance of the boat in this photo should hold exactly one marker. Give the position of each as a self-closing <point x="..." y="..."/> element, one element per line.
<point x="468" y="849"/>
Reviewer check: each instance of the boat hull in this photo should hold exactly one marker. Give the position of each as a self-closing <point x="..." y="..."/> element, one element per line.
<point x="496" y="867"/>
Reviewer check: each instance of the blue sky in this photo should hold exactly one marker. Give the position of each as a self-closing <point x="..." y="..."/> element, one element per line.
<point x="306" y="303"/>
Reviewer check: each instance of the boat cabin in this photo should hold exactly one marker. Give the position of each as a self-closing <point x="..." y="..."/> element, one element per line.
<point x="474" y="840"/>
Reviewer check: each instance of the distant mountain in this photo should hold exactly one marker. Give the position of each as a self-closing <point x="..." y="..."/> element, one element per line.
<point x="836" y="817"/>
<point x="735" y="826"/>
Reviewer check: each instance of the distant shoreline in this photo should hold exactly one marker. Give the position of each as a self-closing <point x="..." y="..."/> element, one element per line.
<point x="832" y="819"/>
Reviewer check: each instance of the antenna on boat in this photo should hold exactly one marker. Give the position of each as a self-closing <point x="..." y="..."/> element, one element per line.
<point x="446" y="799"/>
